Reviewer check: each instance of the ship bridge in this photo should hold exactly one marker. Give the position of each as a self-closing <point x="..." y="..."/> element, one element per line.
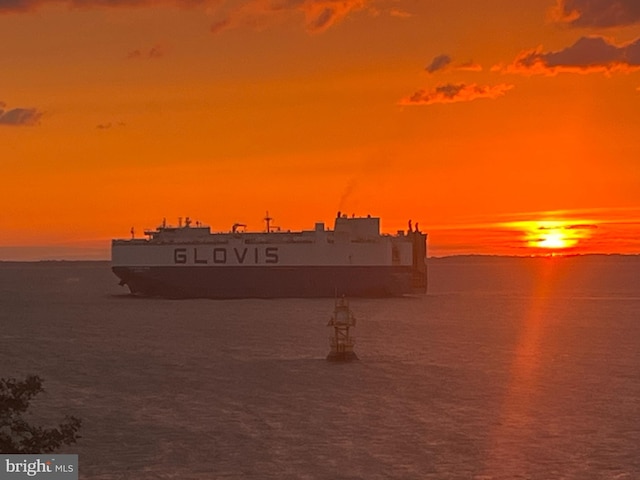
<point x="360" y="228"/>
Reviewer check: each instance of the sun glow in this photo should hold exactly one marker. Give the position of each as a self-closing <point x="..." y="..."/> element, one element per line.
<point x="554" y="235"/>
<point x="555" y="239"/>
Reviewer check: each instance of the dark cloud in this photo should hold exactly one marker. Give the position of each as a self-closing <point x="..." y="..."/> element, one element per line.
<point x="582" y="226"/>
<point x="438" y="63"/>
<point x="219" y="26"/>
<point x="445" y="62"/>
<point x="323" y="14"/>
<point x="470" y="66"/>
<point x="19" y="116"/>
<point x="157" y="51"/>
<point x="8" y="6"/>
<point x="396" y="12"/>
<point x="17" y="5"/>
<point x="588" y="54"/>
<point x="452" y="93"/>
<point x="109" y="125"/>
<point x="319" y="15"/>
<point x="322" y="20"/>
<point x="597" y="13"/>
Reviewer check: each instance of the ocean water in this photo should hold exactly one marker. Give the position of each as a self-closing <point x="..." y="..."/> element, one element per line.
<point x="507" y="369"/>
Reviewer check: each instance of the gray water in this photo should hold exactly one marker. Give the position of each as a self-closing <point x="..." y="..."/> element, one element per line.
<point x="506" y="369"/>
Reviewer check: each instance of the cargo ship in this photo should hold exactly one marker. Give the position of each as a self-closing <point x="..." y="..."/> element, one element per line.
<point x="353" y="259"/>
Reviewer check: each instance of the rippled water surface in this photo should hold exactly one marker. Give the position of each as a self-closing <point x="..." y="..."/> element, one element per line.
<point x="507" y="368"/>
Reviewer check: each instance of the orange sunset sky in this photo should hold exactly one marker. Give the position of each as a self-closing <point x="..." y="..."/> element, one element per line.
<point x="501" y="127"/>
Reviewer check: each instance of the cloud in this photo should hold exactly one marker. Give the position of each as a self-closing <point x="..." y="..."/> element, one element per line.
<point x="157" y="51"/>
<point x="469" y="66"/>
<point x="438" y="63"/>
<point x="395" y="12"/>
<point x="16" y="6"/>
<point x="319" y="15"/>
<point x="581" y="226"/>
<point x="19" y="116"/>
<point x="587" y="55"/>
<point x="452" y="93"/>
<point x="109" y="125"/>
<point x="445" y="62"/>
<point x="596" y="13"/>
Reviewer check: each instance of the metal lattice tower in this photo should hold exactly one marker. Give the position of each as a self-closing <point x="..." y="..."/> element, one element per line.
<point x="341" y="340"/>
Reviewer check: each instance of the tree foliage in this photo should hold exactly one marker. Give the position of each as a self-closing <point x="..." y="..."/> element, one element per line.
<point x="16" y="434"/>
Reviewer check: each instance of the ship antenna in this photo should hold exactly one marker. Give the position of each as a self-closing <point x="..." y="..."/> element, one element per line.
<point x="268" y="219"/>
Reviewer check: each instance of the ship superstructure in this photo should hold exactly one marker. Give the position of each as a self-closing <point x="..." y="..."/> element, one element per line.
<point x="353" y="259"/>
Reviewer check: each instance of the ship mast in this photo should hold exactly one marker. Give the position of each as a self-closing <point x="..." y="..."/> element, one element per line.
<point x="267" y="220"/>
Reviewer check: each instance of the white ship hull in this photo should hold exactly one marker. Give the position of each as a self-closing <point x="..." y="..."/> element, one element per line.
<point x="353" y="259"/>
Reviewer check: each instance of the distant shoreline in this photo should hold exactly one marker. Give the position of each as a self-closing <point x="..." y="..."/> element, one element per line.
<point x="470" y="256"/>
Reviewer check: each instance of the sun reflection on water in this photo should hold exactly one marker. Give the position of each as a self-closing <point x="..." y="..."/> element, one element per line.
<point x="518" y="406"/>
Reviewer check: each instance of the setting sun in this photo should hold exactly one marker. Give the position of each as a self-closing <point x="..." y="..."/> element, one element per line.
<point x="554" y="239"/>
<point x="546" y="235"/>
<point x="221" y="110"/>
